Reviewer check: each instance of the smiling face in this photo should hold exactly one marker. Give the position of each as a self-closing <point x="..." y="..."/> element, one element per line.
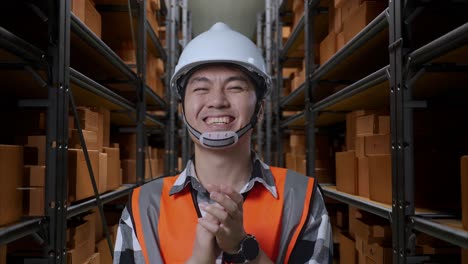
<point x="219" y="98"/>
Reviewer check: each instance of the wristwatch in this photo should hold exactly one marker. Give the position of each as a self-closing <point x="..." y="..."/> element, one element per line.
<point x="248" y="251"/>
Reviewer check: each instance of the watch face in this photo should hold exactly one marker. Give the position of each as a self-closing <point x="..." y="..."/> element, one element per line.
<point x="250" y="248"/>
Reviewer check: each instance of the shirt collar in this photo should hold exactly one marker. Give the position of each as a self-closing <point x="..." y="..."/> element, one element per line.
<point x="261" y="173"/>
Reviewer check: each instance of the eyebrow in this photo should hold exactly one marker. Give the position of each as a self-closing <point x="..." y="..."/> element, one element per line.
<point x="230" y="79"/>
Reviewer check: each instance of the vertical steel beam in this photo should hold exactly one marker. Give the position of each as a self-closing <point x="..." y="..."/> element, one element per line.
<point x="402" y="141"/>
<point x="279" y="86"/>
<point x="141" y="103"/>
<point x="185" y="32"/>
<point x="172" y="42"/>
<point x="260" y="123"/>
<point x="268" y="107"/>
<point x="57" y="128"/>
<point x="310" y="117"/>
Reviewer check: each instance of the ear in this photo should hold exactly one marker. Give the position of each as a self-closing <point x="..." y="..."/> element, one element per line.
<point x="261" y="112"/>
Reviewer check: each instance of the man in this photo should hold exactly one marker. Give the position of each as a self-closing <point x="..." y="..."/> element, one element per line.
<point x="227" y="205"/>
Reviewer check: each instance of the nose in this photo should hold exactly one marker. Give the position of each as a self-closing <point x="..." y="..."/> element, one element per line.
<point x="218" y="99"/>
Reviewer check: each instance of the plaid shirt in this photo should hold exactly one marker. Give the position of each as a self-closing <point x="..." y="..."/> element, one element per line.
<point x="316" y="240"/>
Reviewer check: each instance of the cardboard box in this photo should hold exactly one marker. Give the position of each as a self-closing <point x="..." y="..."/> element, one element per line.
<point x="30" y="156"/>
<point x="11" y="178"/>
<point x="348" y="250"/>
<point x="103" y="172"/>
<point x="89" y="120"/>
<point x="464" y="192"/>
<point x="346" y="172"/>
<point x="79" y="232"/>
<point x="355" y="19"/>
<point x="93" y="18"/>
<point x="127" y="143"/>
<point x="94" y="259"/>
<point x="338" y="21"/>
<point x="296" y="140"/>
<point x="90" y="137"/>
<point x="351" y="127"/>
<point x="359" y="146"/>
<point x="379" y="253"/>
<point x="129" y="170"/>
<point x="114" y="178"/>
<point x="38" y="142"/>
<point x="373" y="230"/>
<point x="340" y="41"/>
<point x="3" y="254"/>
<point x="380" y="178"/>
<point x="34" y="176"/>
<point x="384" y="125"/>
<point x="363" y="177"/>
<point x="81" y="253"/>
<point x="367" y="125"/>
<point x="353" y="214"/>
<point x="377" y="145"/>
<point x="103" y="132"/>
<point x="104" y="252"/>
<point x="79" y="183"/>
<point x="464" y="256"/>
<point x="33" y="200"/>
<point x="327" y="47"/>
<point x="78" y="8"/>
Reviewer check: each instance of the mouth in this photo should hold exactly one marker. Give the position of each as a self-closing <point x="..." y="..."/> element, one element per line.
<point x="218" y="120"/>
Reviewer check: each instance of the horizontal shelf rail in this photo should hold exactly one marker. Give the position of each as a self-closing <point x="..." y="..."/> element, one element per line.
<point x="355" y="88"/>
<point x="105" y="198"/>
<point x="291" y="119"/>
<point x="156" y="42"/>
<point x="96" y="88"/>
<point x="358" y="202"/>
<point x="448" y="42"/>
<point x="84" y="32"/>
<point x="374" y="27"/>
<point x="294" y="35"/>
<point x="447" y="233"/>
<point x="20" y="47"/>
<point x="292" y="96"/>
<point x="26" y="227"/>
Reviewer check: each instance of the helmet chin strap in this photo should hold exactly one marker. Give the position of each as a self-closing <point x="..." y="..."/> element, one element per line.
<point x="221" y="139"/>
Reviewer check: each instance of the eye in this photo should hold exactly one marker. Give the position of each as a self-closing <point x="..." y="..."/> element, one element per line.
<point x="236" y="88"/>
<point x="200" y="89"/>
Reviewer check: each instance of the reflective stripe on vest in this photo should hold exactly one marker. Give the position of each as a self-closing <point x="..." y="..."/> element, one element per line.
<point x="166" y="225"/>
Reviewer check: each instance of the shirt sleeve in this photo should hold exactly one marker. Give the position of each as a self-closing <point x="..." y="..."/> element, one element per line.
<point x="127" y="249"/>
<point x="317" y="241"/>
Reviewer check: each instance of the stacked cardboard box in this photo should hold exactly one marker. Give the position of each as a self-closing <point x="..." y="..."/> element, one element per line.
<point x="152" y="7"/>
<point x="3" y="254"/>
<point x="295" y="157"/>
<point x="365" y="168"/>
<point x="154" y="164"/>
<point x="346" y="18"/>
<point x="105" y="160"/>
<point x="373" y="240"/>
<point x="33" y="190"/>
<point x="298" y="11"/>
<point x="464" y="190"/>
<point x="11" y="178"/>
<point x="86" y="11"/>
<point x="80" y="241"/>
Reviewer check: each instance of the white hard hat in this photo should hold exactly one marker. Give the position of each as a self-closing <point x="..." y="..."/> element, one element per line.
<point x="221" y="44"/>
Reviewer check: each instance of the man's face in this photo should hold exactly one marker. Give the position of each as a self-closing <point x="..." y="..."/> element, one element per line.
<point x="219" y="98"/>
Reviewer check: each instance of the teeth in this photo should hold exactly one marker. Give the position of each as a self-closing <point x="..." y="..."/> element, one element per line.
<point x="217" y="120"/>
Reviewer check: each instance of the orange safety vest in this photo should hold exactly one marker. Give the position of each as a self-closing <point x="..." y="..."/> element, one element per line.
<point x="165" y="225"/>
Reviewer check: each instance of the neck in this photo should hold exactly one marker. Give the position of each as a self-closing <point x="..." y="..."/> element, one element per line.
<point x="231" y="167"/>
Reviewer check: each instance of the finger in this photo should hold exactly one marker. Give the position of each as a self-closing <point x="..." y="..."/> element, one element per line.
<point x="212" y="188"/>
<point x="233" y="194"/>
<point x="216" y="211"/>
<point x="209" y="226"/>
<point x="226" y="202"/>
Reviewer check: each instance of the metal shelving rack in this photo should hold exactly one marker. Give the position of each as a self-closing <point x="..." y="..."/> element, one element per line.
<point x="65" y="36"/>
<point x="390" y="80"/>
